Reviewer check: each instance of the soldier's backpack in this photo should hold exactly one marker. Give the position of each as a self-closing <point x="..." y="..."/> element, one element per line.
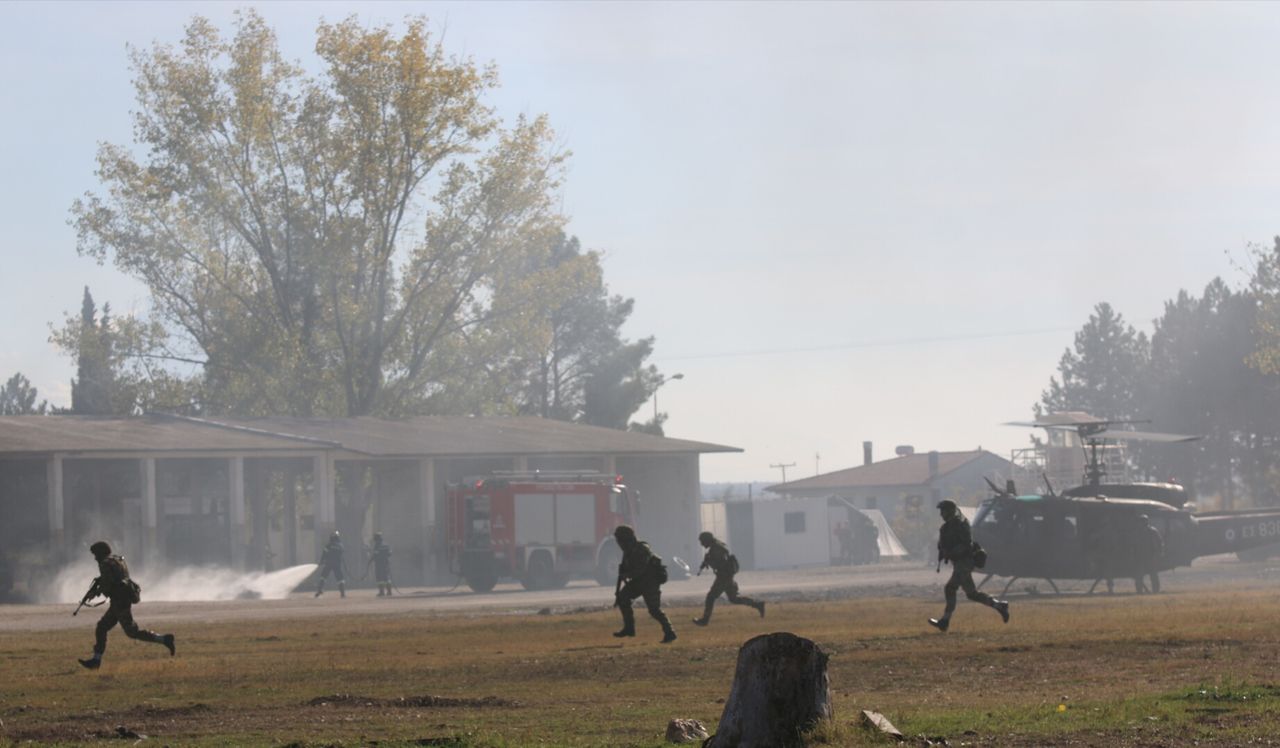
<point x="659" y="569"/>
<point x="733" y="564"/>
<point x="979" y="556"/>
<point x="135" y="591"/>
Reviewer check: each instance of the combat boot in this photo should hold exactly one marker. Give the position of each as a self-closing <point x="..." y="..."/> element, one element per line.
<point x="1002" y="607"/>
<point x="700" y="622"/>
<point x="760" y="608"/>
<point x="668" y="635"/>
<point x="93" y="663"/>
<point x="625" y="632"/>
<point x="167" y="641"/>
<point x="940" y="624"/>
<point x="342" y="589"/>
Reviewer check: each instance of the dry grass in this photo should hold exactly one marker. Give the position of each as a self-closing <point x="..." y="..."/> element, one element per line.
<point x="1175" y="669"/>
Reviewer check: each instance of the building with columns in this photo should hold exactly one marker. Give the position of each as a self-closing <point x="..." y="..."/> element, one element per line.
<point x="266" y="493"/>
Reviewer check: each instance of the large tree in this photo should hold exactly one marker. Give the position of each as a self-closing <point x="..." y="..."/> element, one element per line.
<point x="1199" y="382"/>
<point x="95" y="386"/>
<point x="324" y="244"/>
<point x="1102" y="374"/>
<point x="18" y="398"/>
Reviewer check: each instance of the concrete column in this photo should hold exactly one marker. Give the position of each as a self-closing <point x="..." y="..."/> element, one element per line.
<point x="291" y="515"/>
<point x="235" y="510"/>
<point x="694" y="492"/>
<point x="150" y="540"/>
<point x="427" y="517"/>
<point x="325" y="511"/>
<point x="54" y="483"/>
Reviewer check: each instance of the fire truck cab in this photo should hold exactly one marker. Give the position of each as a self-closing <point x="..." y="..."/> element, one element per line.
<point x="540" y="527"/>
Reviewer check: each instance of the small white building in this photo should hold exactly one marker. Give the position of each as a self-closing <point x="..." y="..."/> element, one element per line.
<point x="787" y="533"/>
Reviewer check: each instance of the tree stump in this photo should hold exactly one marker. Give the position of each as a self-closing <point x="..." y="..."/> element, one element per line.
<point x="780" y="689"/>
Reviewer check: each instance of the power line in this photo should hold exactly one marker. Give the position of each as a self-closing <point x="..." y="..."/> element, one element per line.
<point x="869" y="344"/>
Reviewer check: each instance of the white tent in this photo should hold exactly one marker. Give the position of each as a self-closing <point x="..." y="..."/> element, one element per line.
<point x="890" y="545"/>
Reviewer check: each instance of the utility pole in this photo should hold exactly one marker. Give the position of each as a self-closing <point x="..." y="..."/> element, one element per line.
<point x="817" y="463"/>
<point x="783" y="467"/>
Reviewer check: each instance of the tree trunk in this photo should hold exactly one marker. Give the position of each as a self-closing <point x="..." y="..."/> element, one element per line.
<point x="780" y="689"/>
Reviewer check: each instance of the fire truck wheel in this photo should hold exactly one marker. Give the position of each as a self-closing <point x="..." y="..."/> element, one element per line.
<point x="541" y="573"/>
<point x="481" y="582"/>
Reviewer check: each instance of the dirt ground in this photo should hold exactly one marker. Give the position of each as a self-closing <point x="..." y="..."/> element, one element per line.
<point x="897" y="579"/>
<point x="524" y="668"/>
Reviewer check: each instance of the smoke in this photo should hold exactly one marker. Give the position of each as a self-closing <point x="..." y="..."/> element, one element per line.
<point x="186" y="584"/>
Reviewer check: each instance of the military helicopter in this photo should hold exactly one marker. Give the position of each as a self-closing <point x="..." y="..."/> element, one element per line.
<point x="1094" y="531"/>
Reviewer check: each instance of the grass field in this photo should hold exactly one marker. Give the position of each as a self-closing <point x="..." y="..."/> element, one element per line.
<point x="1185" y="668"/>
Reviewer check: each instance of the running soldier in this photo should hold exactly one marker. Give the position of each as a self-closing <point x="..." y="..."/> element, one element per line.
<point x="380" y="559"/>
<point x="641" y="574"/>
<point x="331" y="563"/>
<point x="725" y="566"/>
<point x="955" y="545"/>
<point x="122" y="593"/>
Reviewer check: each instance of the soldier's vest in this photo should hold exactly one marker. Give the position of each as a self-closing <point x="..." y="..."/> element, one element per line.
<point x="116" y="582"/>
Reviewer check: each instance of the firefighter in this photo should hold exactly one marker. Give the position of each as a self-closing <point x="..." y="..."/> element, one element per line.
<point x="641" y="574"/>
<point x="331" y="562"/>
<point x="380" y="560"/>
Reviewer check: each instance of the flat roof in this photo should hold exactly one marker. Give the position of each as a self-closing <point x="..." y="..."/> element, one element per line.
<point x="459" y="436"/>
<point x="34" y="435"/>
<point x="424" y="436"/>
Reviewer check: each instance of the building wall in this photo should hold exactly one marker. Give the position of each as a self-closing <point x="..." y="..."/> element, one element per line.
<point x="791" y="532"/>
<point x="668" y="486"/>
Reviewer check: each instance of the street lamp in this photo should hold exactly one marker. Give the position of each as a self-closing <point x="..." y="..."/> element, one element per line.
<point x="661" y="381"/>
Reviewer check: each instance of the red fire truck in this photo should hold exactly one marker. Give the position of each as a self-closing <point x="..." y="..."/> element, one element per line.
<point x="540" y="527"/>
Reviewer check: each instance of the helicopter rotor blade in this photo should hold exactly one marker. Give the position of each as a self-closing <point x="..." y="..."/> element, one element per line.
<point x="1145" y="436"/>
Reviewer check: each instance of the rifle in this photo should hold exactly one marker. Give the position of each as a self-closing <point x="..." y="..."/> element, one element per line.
<point x="700" y="568"/>
<point x="95" y="589"/>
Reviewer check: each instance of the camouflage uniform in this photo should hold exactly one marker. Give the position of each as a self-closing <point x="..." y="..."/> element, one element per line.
<point x="637" y="575"/>
<point x="955" y="545"/>
<point x="331" y="563"/>
<point x="380" y="558"/>
<point x="114" y="583"/>
<point x="719" y="560"/>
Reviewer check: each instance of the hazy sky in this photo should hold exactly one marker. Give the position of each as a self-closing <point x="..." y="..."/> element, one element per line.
<point x="841" y="221"/>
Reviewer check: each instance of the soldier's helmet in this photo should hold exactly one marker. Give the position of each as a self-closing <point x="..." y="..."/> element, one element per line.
<point x="706" y="538"/>
<point x="948" y="508"/>
<point x="377" y="537"/>
<point x="624" y="534"/>
<point x="100" y="549"/>
<point x="335" y="536"/>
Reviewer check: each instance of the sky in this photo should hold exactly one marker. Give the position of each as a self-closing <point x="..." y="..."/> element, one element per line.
<point x="841" y="222"/>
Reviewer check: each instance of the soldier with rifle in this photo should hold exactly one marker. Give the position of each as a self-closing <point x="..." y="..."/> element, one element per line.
<point x="331" y="562"/>
<point x="956" y="546"/>
<point x="122" y="593"/>
<point x="725" y="565"/>
<point x="380" y="560"/>
<point x="641" y="574"/>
